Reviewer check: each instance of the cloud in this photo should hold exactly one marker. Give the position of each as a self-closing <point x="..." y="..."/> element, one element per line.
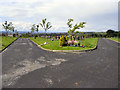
<point x="22" y="26"/>
<point x="24" y="13"/>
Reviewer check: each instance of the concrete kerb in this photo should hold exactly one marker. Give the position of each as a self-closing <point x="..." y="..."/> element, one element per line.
<point x="66" y="50"/>
<point x="8" y="45"/>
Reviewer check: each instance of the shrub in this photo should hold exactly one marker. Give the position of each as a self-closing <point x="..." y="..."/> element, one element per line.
<point x="79" y="44"/>
<point x="14" y="35"/>
<point x="62" y="41"/>
<point x="67" y="38"/>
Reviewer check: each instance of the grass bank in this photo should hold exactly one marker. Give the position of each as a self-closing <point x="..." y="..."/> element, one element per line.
<point x="89" y="43"/>
<point x="4" y="42"/>
<point x="115" y="39"/>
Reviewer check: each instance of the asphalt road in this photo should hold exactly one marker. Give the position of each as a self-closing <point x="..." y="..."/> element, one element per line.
<point x="25" y="65"/>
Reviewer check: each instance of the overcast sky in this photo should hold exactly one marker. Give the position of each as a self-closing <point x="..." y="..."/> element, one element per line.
<point x="99" y="15"/>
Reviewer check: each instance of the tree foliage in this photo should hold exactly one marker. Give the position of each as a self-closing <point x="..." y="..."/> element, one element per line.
<point x="110" y="33"/>
<point x="37" y="28"/>
<point x="45" y="25"/>
<point x="73" y="28"/>
<point x="8" y="26"/>
<point x="79" y="33"/>
<point x="62" y="41"/>
<point x="33" y="28"/>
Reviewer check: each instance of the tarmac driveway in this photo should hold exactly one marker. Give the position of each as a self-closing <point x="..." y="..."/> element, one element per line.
<point x="25" y="65"/>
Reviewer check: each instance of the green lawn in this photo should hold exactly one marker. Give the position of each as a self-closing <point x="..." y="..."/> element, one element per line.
<point x="89" y="43"/>
<point x="115" y="39"/>
<point x="4" y="42"/>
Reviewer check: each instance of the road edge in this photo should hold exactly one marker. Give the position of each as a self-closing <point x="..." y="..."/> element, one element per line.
<point x="39" y="46"/>
<point x="8" y="46"/>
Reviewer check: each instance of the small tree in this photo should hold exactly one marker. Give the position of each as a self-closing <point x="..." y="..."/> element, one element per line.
<point x="33" y="29"/>
<point x="11" y="27"/>
<point x="6" y="27"/>
<point x="16" y="32"/>
<point x="37" y="29"/>
<point x="76" y="26"/>
<point x="45" y="25"/>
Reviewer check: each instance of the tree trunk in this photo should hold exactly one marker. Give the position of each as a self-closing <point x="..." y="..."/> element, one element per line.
<point x="71" y="37"/>
<point x="45" y="36"/>
<point x="6" y="35"/>
<point x="38" y="34"/>
<point x="34" y="36"/>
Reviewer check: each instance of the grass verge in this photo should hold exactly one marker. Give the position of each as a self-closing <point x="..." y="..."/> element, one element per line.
<point x="115" y="39"/>
<point x="89" y="43"/>
<point x="5" y="41"/>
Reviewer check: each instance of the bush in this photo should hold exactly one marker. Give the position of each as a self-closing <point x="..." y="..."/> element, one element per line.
<point x="62" y="41"/>
<point x="14" y="35"/>
<point x="67" y="38"/>
<point x="78" y="43"/>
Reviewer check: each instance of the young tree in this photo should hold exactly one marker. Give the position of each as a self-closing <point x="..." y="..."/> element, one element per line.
<point x="37" y="29"/>
<point x="16" y="32"/>
<point x="45" y="25"/>
<point x="33" y="29"/>
<point x="11" y="27"/>
<point x="6" y="27"/>
<point x="76" y="26"/>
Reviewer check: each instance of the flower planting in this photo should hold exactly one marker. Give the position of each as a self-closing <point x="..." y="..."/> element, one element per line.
<point x="62" y="41"/>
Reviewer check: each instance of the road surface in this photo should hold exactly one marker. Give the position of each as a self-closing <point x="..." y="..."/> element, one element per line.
<point x="25" y="65"/>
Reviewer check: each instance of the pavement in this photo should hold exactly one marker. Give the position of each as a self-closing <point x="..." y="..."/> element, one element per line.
<point x="24" y="65"/>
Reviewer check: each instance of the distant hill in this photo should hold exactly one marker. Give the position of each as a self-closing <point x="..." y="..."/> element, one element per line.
<point x="21" y="32"/>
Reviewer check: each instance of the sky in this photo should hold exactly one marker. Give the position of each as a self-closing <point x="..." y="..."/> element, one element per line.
<point x="99" y="15"/>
